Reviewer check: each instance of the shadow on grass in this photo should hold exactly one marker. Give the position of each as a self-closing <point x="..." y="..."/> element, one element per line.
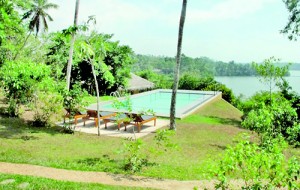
<point x="17" y="128"/>
<point x="227" y="121"/>
<point x="103" y="163"/>
<point x="219" y="146"/>
<point x="94" y="161"/>
<point x="114" y="167"/>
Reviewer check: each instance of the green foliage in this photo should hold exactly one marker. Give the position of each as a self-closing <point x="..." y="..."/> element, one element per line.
<point x="163" y="141"/>
<point x="135" y="156"/>
<point x="227" y="93"/>
<point x="38" y="14"/>
<point x="134" y="160"/>
<point x="292" y="27"/>
<point x="257" y="101"/>
<point x="111" y="60"/>
<point x="201" y="66"/>
<point x="293" y="135"/>
<point x="192" y="82"/>
<point x="21" y="79"/>
<point x="11" y="31"/>
<point x="260" y="120"/>
<point x="259" y="167"/>
<point x="161" y="81"/>
<point x="280" y="119"/>
<point x="290" y="95"/>
<point x="73" y="100"/>
<point x="233" y="69"/>
<point x="123" y="104"/>
<point x="189" y="81"/>
<point x="269" y="74"/>
<point x="47" y="108"/>
<point x="57" y="56"/>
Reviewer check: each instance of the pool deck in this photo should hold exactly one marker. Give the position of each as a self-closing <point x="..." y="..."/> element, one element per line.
<point x="112" y="128"/>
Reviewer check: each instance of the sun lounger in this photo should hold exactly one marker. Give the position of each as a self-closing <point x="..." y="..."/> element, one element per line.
<point x="139" y="120"/>
<point x="92" y="114"/>
<point x="119" y="119"/>
<point x="77" y="115"/>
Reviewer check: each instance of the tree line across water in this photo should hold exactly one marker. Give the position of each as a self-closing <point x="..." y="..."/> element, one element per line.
<point x="201" y="66"/>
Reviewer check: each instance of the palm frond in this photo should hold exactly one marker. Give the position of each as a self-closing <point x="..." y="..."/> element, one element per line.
<point x="27" y="15"/>
<point x="45" y="24"/>
<point x="37" y="26"/>
<point x="50" y="5"/>
<point x="49" y="17"/>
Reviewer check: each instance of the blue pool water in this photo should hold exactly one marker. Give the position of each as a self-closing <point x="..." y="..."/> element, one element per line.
<point x="159" y="102"/>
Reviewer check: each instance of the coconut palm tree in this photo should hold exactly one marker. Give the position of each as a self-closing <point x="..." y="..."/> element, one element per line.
<point x="39" y="15"/>
<point x="38" y="19"/>
<point x="70" y="61"/>
<point x="176" y="72"/>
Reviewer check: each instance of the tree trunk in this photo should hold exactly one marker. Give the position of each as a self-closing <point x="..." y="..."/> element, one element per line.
<point x="70" y="61"/>
<point x="176" y="71"/>
<point x="97" y="91"/>
<point x="17" y="54"/>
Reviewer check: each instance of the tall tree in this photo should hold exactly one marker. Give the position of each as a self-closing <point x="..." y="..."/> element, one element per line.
<point x="70" y="61"/>
<point x="176" y="71"/>
<point x="38" y="19"/>
<point x="39" y="15"/>
<point x="293" y="25"/>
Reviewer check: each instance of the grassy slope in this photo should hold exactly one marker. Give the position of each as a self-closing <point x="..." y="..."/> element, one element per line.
<point x="202" y="137"/>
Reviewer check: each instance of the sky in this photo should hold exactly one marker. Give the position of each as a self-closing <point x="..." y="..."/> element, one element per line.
<point x="223" y="30"/>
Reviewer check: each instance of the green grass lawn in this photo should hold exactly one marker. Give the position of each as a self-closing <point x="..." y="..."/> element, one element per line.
<point x="201" y="137"/>
<point x="44" y="183"/>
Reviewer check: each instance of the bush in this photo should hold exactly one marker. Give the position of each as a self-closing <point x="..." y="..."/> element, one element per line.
<point x="134" y="160"/>
<point x="73" y="99"/>
<point x="21" y="79"/>
<point x="191" y="82"/>
<point x="259" y="100"/>
<point x="293" y="135"/>
<point x="259" y="167"/>
<point x="47" y="108"/>
<point x="279" y="119"/>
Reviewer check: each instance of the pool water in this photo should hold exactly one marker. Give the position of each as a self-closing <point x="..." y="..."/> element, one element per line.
<point x="159" y="101"/>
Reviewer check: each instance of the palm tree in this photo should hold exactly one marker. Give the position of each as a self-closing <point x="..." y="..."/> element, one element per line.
<point x="176" y="72"/>
<point x="69" y="67"/>
<point x="38" y="19"/>
<point x="39" y="15"/>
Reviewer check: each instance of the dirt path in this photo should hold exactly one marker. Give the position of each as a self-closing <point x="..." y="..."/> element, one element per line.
<point x="100" y="177"/>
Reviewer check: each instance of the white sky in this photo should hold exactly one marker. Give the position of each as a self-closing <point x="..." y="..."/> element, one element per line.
<point x="225" y="30"/>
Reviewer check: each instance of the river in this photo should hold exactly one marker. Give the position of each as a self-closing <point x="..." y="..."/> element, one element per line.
<point x="247" y="86"/>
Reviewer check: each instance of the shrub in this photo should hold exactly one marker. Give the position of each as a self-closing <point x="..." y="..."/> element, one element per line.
<point x="47" y="108"/>
<point x="134" y="158"/>
<point x="272" y="121"/>
<point x="192" y="82"/>
<point x="293" y="135"/>
<point x="259" y="167"/>
<point x="73" y="99"/>
<point x="21" y="79"/>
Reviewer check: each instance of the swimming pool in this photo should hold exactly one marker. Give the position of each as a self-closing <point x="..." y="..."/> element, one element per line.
<point x="160" y="100"/>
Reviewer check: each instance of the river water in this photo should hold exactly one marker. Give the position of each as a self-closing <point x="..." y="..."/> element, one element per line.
<point x="247" y="86"/>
